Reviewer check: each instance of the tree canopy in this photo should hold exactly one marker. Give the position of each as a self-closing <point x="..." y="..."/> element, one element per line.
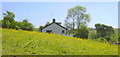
<point x="9" y="22"/>
<point x="104" y="30"/>
<point x="81" y="32"/>
<point x="76" y="16"/>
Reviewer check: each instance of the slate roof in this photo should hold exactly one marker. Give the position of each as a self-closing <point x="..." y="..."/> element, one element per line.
<point x="56" y="24"/>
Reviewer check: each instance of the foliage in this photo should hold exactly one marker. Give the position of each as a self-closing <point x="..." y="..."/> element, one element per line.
<point x="36" y="29"/>
<point x="9" y="22"/>
<point x="69" y="32"/>
<point x="18" y="42"/>
<point x="92" y="33"/>
<point x="0" y="23"/>
<point x="68" y="24"/>
<point x="47" y="23"/>
<point x="40" y="28"/>
<point x="104" y="30"/>
<point x="114" y="38"/>
<point x="102" y="39"/>
<point x="25" y="20"/>
<point x="76" y="16"/>
<point x="25" y="25"/>
<point x="82" y="32"/>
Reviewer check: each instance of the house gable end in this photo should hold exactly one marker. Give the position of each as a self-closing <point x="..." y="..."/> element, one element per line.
<point x="56" y="24"/>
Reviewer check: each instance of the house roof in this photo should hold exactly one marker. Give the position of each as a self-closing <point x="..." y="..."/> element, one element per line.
<point x="54" y="23"/>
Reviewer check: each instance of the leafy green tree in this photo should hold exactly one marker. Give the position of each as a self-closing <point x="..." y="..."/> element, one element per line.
<point x="47" y="23"/>
<point x="40" y="28"/>
<point x="25" y="25"/>
<point x="25" y="20"/>
<point x="68" y="24"/>
<point x="76" y="16"/>
<point x="0" y="23"/>
<point x="8" y="20"/>
<point x="104" y="31"/>
<point x="82" y="32"/>
<point x="92" y="33"/>
<point x="101" y="39"/>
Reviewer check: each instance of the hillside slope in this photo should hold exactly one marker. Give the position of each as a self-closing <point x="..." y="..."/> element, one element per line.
<point x="18" y="42"/>
<point x="0" y="43"/>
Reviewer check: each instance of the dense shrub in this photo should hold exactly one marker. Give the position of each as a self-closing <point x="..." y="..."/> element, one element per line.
<point x="92" y="33"/>
<point x="9" y="22"/>
<point x="104" y="30"/>
<point x="82" y="33"/>
<point x="101" y="39"/>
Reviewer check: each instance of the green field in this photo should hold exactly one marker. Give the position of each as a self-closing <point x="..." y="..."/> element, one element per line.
<point x="0" y="43"/>
<point x="18" y="42"/>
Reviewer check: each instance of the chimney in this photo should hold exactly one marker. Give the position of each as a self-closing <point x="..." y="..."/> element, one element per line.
<point x="53" y="20"/>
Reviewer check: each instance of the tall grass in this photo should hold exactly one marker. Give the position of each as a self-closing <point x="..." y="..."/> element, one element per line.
<point x="18" y="42"/>
<point x="0" y="42"/>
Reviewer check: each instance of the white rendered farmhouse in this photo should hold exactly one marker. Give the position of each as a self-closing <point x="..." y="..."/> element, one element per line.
<point x="54" y="27"/>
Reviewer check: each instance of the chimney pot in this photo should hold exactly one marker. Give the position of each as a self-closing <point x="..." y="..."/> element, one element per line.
<point x="54" y="20"/>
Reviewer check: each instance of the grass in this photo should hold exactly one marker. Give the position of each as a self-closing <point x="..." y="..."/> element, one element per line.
<point x="0" y="38"/>
<point x="18" y="42"/>
<point x="0" y="42"/>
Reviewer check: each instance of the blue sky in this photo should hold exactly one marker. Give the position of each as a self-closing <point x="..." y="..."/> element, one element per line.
<point x="59" y="0"/>
<point x="38" y="13"/>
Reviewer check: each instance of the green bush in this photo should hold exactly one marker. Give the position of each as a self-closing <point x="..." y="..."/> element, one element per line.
<point x="101" y="39"/>
<point x="92" y="34"/>
<point x="81" y="33"/>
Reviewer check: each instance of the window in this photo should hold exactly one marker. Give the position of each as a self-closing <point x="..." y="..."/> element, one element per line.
<point x="49" y="31"/>
<point x="63" y="31"/>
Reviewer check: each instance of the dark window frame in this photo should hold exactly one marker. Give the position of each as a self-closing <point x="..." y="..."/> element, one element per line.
<point x="48" y="31"/>
<point x="63" y="31"/>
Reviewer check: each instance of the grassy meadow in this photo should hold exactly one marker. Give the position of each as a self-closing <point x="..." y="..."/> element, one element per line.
<point x="0" y="42"/>
<point x="19" y="42"/>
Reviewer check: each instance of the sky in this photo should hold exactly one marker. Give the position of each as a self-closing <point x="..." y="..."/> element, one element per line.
<point x="59" y="0"/>
<point x="38" y="13"/>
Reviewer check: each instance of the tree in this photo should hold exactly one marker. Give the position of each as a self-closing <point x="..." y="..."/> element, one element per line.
<point x="101" y="39"/>
<point x="8" y="20"/>
<point x="47" y="23"/>
<point x="68" y="24"/>
<point x="9" y="14"/>
<point x="25" y="20"/>
<point x="76" y="16"/>
<point x="104" y="31"/>
<point x="25" y="25"/>
<point x="0" y="23"/>
<point x="82" y="32"/>
<point x="40" y="28"/>
<point x="92" y="33"/>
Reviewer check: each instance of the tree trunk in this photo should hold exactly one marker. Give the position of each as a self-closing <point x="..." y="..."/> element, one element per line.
<point x="73" y="24"/>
